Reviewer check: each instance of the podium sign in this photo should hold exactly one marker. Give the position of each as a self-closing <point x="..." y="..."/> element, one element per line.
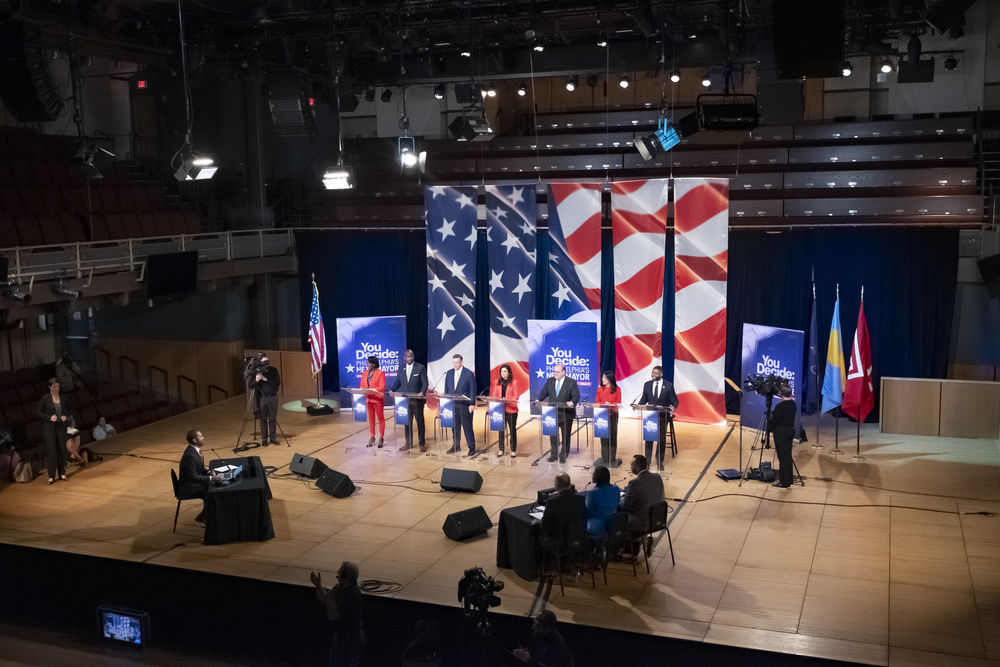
<point x="402" y="411"/>
<point x="651" y="426"/>
<point x="550" y="422"/>
<point x="360" y="408"/>
<point x="601" y="427"/>
<point x="447" y="412"/>
<point x="496" y="413"/>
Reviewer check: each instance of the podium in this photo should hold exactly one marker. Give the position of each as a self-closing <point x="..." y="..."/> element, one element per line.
<point x="359" y="403"/>
<point x="646" y="413"/>
<point x="550" y="420"/>
<point x="404" y="402"/>
<point x="495" y="405"/>
<point x="446" y="416"/>
<point x="611" y="460"/>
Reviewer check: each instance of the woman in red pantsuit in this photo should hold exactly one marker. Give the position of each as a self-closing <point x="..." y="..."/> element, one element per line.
<point x="373" y="378"/>
<point x="506" y="387"/>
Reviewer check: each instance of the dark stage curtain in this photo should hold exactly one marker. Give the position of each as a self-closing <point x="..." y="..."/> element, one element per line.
<point x="909" y="277"/>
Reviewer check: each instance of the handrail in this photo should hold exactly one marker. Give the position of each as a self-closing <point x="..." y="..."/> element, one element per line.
<point x="100" y="354"/>
<point x="166" y="379"/>
<point x="180" y="389"/>
<point x="216" y="388"/>
<point x="134" y="363"/>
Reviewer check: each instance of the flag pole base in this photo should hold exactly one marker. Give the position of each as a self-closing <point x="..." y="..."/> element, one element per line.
<point x="836" y="451"/>
<point x="857" y="457"/>
<point x="816" y="445"/>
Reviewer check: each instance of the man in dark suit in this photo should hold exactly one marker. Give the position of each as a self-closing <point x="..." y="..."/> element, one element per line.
<point x="412" y="379"/>
<point x="460" y="380"/>
<point x="640" y="494"/>
<point x="561" y="389"/>
<point x="194" y="477"/>
<point x="564" y="508"/>
<point x="659" y="392"/>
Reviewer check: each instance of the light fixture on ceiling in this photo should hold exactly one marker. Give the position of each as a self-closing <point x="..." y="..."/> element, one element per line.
<point x="190" y="166"/>
<point x="603" y="43"/>
<point x="848" y="69"/>
<point x="61" y="290"/>
<point x="491" y="91"/>
<point x="439" y="90"/>
<point x="472" y="127"/>
<point x="522" y="91"/>
<point x="538" y="47"/>
<point x="370" y="95"/>
<point x="386" y="95"/>
<point x="951" y="63"/>
<point x="706" y="80"/>
<point x="338" y="177"/>
<point x="624" y="81"/>
<point x="667" y="136"/>
<point x="675" y="76"/>
<point x="17" y="293"/>
<point x="196" y="168"/>
<point x="465" y="53"/>
<point x="886" y="66"/>
<point x="572" y="82"/>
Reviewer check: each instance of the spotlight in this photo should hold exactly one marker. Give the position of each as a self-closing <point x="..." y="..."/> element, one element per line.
<point x="439" y="91"/>
<point x="471" y="128"/>
<point x="386" y="94"/>
<point x="675" y="76"/>
<point x="665" y="138"/>
<point x="492" y="90"/>
<point x="538" y="48"/>
<point x="196" y="168"/>
<point x="706" y="80"/>
<point x="370" y="95"/>
<point x="17" y="294"/>
<point x="571" y="83"/>
<point x="338" y="177"/>
<point x="848" y="69"/>
<point x="886" y="66"/>
<point x="951" y="63"/>
<point x="409" y="158"/>
<point x="522" y="91"/>
<point x="465" y="53"/>
<point x="623" y="81"/>
<point x="603" y="43"/>
<point x="62" y="290"/>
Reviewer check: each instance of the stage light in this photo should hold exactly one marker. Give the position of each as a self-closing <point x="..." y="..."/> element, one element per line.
<point x="522" y="91"/>
<point x="665" y="138"/>
<point x="706" y="80"/>
<point x="675" y="76"/>
<point x="386" y="95"/>
<point x="624" y="81"/>
<point x="17" y="294"/>
<point x="886" y="66"/>
<point x="471" y="128"/>
<point x="370" y="95"/>
<point x="492" y="90"/>
<point x="62" y="290"/>
<point x="439" y="91"/>
<point x="571" y="83"/>
<point x="465" y="53"/>
<point x="338" y="177"/>
<point x="848" y="69"/>
<point x="196" y="168"/>
<point x="538" y="48"/>
<point x="951" y="63"/>
<point x="603" y="43"/>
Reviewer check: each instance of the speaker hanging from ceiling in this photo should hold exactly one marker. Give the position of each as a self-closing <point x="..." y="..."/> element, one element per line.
<point x="291" y="105"/>
<point x="26" y="85"/>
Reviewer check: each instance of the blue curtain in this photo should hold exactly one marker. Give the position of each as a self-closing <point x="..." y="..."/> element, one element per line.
<point x="909" y="277"/>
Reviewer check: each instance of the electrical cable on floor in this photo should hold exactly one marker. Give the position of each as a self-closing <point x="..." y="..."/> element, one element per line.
<point x="883" y="488"/>
<point x="380" y="587"/>
<point x="826" y="504"/>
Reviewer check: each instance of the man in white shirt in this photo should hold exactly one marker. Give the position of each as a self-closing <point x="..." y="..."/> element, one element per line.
<point x="412" y="379"/>
<point x="103" y="430"/>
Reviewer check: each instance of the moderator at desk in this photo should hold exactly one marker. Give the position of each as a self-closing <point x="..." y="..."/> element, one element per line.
<point x="238" y="511"/>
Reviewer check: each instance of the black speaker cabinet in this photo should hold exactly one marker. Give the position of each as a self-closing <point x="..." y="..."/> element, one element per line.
<point x="453" y="479"/>
<point x="467" y="523"/>
<point x="308" y="466"/>
<point x="337" y="484"/>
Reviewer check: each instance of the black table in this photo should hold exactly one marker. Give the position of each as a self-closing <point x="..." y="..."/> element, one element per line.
<point x="518" y="545"/>
<point x="238" y="511"/>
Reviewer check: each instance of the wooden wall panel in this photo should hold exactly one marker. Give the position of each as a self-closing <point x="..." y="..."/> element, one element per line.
<point x="296" y="375"/>
<point x="970" y="409"/>
<point x="910" y="406"/>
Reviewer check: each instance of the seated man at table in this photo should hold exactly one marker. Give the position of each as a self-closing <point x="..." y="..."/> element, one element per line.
<point x="640" y="494"/>
<point x="194" y="477"/>
<point x="564" y="508"/>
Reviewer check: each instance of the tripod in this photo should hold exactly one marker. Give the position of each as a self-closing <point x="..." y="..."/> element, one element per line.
<point x="252" y="414"/>
<point x="762" y="441"/>
<point x="479" y="646"/>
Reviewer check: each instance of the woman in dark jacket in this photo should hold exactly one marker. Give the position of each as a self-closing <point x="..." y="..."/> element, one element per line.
<point x="54" y="413"/>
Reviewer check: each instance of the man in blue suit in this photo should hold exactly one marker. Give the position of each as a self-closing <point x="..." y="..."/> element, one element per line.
<point x="561" y="389"/>
<point x="460" y="380"/>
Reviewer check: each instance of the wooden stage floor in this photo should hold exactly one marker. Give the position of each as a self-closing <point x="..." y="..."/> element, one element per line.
<point x="850" y="567"/>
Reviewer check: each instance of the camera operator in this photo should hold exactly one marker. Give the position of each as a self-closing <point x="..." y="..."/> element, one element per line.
<point x="546" y="646"/>
<point x="267" y="380"/>
<point x="782" y="427"/>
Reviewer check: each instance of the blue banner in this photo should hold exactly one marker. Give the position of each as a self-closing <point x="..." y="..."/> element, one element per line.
<point x="601" y="426"/>
<point x="766" y="351"/>
<point x="651" y="425"/>
<point x="402" y="411"/>
<point x="447" y="413"/>
<point x="496" y="411"/>
<point x="361" y="337"/>
<point x="360" y="407"/>
<point x="550" y="422"/>
<point x="572" y="344"/>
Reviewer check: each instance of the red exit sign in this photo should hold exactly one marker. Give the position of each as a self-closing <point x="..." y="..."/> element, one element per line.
<point x="140" y="84"/>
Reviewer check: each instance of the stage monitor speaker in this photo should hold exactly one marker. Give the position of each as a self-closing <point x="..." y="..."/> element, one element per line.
<point x="808" y="38"/>
<point x="308" y="466"/>
<point x="453" y="479"/>
<point x="467" y="523"/>
<point x="337" y="484"/>
<point x="990" y="268"/>
<point x="26" y="85"/>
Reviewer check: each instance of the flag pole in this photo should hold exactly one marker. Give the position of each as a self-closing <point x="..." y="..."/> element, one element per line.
<point x="837" y="451"/>
<point x="318" y="376"/>
<point x="819" y="404"/>
<point x="857" y="440"/>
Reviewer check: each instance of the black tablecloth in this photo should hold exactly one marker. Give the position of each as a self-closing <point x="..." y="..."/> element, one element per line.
<point x="239" y="512"/>
<point x="517" y="541"/>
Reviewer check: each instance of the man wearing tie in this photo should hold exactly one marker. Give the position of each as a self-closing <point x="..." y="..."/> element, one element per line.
<point x="659" y="392"/>
<point x="460" y="380"/>
<point x="412" y="379"/>
<point x="193" y="479"/>
<point x="561" y="389"/>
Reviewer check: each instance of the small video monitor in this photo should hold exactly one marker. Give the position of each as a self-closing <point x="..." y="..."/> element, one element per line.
<point x="123" y="626"/>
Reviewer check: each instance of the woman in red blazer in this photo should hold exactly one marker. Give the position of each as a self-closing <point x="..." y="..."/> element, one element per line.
<point x="506" y="387"/>
<point x="373" y="378"/>
<point x="609" y="392"/>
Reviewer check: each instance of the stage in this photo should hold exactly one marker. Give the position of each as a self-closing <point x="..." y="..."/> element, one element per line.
<point x="799" y="571"/>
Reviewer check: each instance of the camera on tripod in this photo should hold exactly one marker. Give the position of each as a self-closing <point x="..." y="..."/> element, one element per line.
<point x="477" y="591"/>
<point x="252" y="365"/>
<point x="767" y="386"/>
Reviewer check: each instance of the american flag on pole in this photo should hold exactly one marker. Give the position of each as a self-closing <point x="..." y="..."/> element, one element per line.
<point x="317" y="336"/>
<point x="510" y="237"/>
<point x="450" y="214"/>
<point x="575" y="255"/>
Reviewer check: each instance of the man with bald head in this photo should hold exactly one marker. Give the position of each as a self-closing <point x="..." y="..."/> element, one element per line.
<point x="561" y="510"/>
<point x="562" y="389"/>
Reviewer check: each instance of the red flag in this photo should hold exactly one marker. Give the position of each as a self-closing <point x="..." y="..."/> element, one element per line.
<point x="859" y="395"/>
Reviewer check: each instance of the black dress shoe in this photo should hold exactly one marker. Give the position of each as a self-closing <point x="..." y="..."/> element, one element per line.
<point x="779" y="485"/>
<point x="553" y="459"/>
<point x="452" y="450"/>
<point x="471" y="453"/>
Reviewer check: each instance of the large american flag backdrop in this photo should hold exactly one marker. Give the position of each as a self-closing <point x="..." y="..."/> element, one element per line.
<point x="510" y="234"/>
<point x="575" y="254"/>
<point x="701" y="267"/>
<point x="450" y="214"/>
<point x="639" y="231"/>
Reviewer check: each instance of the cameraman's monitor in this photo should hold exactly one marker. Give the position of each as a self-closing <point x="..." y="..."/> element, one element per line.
<point x="123" y="626"/>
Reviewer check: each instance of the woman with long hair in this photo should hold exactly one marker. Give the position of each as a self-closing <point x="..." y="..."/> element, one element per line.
<point x="609" y="392"/>
<point x="506" y="387"/>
